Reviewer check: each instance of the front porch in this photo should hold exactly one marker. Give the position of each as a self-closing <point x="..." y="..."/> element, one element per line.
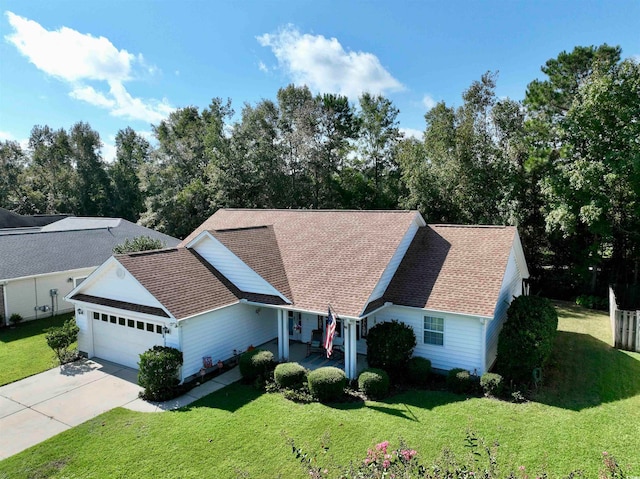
<point x="298" y="352"/>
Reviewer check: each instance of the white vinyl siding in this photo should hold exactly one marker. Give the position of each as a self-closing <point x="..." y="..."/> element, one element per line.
<point x="394" y="263"/>
<point x="463" y="335"/>
<point x="511" y="286"/>
<point x="218" y="333"/>
<point x="24" y="295"/>
<point x="115" y="282"/>
<point x="232" y="267"/>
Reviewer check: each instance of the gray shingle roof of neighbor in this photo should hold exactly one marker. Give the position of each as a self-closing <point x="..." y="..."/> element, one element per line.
<point x="9" y="219"/>
<point x="29" y="253"/>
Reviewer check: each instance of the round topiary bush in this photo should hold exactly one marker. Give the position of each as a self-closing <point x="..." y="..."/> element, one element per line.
<point x="255" y="364"/>
<point x="418" y="371"/>
<point x="526" y="340"/>
<point x="461" y="381"/>
<point x="492" y="384"/>
<point x="327" y="384"/>
<point x="289" y="375"/>
<point x="158" y="373"/>
<point x="374" y="383"/>
<point x="390" y="346"/>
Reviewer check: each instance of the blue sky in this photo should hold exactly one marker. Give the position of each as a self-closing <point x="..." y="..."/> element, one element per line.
<point x="122" y="63"/>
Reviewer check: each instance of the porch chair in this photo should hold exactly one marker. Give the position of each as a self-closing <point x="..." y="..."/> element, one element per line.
<point x="315" y="345"/>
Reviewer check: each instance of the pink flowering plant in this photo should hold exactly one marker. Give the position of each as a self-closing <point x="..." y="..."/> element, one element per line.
<point x="383" y="462"/>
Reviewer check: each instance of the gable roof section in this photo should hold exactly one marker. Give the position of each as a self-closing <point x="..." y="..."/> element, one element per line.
<point x="32" y="253"/>
<point x="258" y="248"/>
<point x="328" y="257"/>
<point x="453" y="268"/>
<point x="184" y="282"/>
<point x="180" y="280"/>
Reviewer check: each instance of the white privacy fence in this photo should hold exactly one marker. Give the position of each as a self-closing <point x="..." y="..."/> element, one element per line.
<point x="625" y="326"/>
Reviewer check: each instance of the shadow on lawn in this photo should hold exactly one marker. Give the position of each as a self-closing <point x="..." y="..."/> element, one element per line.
<point x="585" y="372"/>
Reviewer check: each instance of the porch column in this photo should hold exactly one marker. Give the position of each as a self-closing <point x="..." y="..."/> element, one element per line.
<point x="280" y="342"/>
<point x="283" y="336"/>
<point x="350" y="350"/>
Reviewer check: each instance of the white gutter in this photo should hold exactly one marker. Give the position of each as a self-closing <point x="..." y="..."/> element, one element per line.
<point x="42" y="275"/>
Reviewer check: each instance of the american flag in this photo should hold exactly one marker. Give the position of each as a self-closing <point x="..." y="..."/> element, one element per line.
<point x="331" y="331"/>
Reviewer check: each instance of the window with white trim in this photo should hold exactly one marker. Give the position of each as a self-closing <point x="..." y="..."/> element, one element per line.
<point x="433" y="331"/>
<point x="78" y="280"/>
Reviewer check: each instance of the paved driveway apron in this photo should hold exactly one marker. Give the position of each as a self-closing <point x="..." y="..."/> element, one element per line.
<point x="41" y="406"/>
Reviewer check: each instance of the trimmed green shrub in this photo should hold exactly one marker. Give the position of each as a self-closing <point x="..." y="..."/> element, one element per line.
<point x="526" y="340"/>
<point x="327" y="384"/>
<point x="390" y="346"/>
<point x="256" y="363"/>
<point x="158" y="373"/>
<point x="15" y="318"/>
<point x="461" y="381"/>
<point x="492" y="384"/>
<point x="374" y="383"/>
<point x="59" y="339"/>
<point x="289" y="375"/>
<point x="418" y="371"/>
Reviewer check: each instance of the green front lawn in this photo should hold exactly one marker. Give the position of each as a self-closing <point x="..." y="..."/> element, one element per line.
<point x="591" y="405"/>
<point x="24" y="351"/>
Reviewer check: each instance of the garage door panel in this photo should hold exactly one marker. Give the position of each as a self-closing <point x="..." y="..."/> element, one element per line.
<point x="122" y="344"/>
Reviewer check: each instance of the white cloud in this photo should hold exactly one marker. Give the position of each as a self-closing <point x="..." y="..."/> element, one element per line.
<point x="412" y="133"/>
<point x="428" y="102"/>
<point x="78" y="58"/>
<point x="109" y="150"/>
<point x="325" y="66"/>
<point x="90" y="95"/>
<point x="7" y="136"/>
<point x="262" y="67"/>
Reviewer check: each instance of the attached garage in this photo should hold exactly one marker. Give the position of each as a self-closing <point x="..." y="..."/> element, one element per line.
<point x="121" y="339"/>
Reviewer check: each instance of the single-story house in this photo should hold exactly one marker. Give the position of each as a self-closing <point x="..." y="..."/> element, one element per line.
<point x="39" y="265"/>
<point x="245" y="277"/>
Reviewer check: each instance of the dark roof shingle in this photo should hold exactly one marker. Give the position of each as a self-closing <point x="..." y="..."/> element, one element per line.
<point x="325" y="256"/>
<point x="453" y="268"/>
<point x="31" y="253"/>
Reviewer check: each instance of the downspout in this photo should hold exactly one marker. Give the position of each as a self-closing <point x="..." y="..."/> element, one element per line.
<point x="35" y="290"/>
<point x="483" y="322"/>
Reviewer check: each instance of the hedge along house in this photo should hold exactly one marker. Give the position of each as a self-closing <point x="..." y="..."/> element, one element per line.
<point x="40" y="264"/>
<point x="245" y="277"/>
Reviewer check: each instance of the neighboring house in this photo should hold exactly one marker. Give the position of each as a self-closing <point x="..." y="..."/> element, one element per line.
<point x="9" y="219"/>
<point x="39" y="265"/>
<point x="245" y="277"/>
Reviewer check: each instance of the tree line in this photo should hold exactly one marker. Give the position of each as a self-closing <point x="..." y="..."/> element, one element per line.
<point x="563" y="165"/>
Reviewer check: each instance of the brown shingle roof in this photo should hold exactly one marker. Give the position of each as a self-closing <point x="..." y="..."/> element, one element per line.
<point x="181" y="280"/>
<point x="453" y="268"/>
<point x="328" y="256"/>
<point x="185" y="283"/>
<point x="258" y="248"/>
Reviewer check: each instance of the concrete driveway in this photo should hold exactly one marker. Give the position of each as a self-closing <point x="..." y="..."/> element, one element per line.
<point x="41" y="406"/>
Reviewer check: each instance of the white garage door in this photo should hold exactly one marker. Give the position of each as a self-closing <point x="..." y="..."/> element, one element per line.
<point x="122" y="340"/>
